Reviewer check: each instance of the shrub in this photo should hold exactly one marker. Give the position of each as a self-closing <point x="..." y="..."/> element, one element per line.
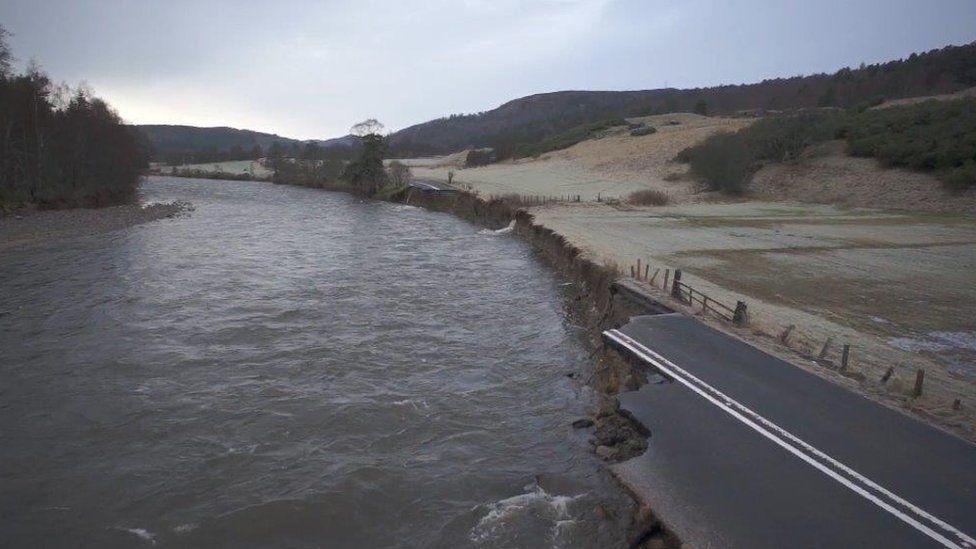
<point x="723" y="162"/>
<point x="398" y="174"/>
<point x="646" y="130"/>
<point x="649" y="197"/>
<point x="567" y="139"/>
<point x="934" y="136"/>
<point x="478" y="157"/>
<point x="701" y="107"/>
<point x="726" y="161"/>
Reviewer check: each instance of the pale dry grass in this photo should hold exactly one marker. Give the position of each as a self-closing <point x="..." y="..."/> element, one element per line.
<point x="612" y="166"/>
<point x="968" y="92"/>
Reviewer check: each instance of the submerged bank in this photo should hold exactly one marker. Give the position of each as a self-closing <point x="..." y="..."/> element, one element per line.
<point x="37" y="227"/>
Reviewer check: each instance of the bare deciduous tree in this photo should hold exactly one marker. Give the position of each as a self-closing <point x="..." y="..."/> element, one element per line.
<point x="370" y="126"/>
<point x="399" y="173"/>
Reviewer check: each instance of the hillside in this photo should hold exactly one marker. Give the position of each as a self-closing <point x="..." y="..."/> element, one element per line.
<point x="530" y="119"/>
<point x="167" y="139"/>
<point x="171" y="139"/>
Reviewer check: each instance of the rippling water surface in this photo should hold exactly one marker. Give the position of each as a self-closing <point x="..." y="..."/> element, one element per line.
<point x="290" y="367"/>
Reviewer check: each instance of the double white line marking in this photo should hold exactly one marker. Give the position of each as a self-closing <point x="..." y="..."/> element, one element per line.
<point x="921" y="520"/>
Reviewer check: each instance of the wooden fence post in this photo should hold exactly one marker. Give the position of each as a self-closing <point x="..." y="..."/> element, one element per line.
<point x="667" y="273"/>
<point x="739" y="316"/>
<point x="631" y="271"/>
<point x="676" y="284"/>
<point x="919" y="380"/>
<point x="647" y="270"/>
<point x="887" y="375"/>
<point x="825" y="348"/>
<point x="844" y="357"/>
<point x="638" y="268"/>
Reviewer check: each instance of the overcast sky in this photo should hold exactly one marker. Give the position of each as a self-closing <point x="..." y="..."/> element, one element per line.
<point x="311" y="69"/>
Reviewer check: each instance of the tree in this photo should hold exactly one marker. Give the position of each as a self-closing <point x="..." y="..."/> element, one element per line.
<point x="399" y="173"/>
<point x="370" y="126"/>
<point x="6" y="56"/>
<point x="276" y="155"/>
<point x="366" y="172"/>
<point x="701" y="107"/>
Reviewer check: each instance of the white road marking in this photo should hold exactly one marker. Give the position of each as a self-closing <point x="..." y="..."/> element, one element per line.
<point x="949" y="537"/>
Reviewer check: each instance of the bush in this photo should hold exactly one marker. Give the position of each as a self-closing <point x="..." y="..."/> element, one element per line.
<point x="934" y="136"/>
<point x="779" y="138"/>
<point x="649" y="197"/>
<point x="723" y="162"/>
<point x="567" y="139"/>
<point x="398" y="174"/>
<point x="726" y="161"/>
<point x="646" y="130"/>
<point x="478" y="157"/>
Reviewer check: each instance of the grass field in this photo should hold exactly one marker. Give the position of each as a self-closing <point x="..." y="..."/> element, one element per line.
<point x="230" y="166"/>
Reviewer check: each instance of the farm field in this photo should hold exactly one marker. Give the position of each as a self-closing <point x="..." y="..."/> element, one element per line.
<point x="231" y="166"/>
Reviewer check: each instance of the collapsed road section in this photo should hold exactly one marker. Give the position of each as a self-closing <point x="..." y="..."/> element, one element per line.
<point x="750" y="451"/>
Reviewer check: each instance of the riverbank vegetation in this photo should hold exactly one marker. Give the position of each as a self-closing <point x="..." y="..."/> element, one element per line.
<point x="937" y="137"/>
<point x="62" y="148"/>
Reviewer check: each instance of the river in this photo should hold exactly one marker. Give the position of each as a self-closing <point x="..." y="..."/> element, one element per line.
<point x="287" y="367"/>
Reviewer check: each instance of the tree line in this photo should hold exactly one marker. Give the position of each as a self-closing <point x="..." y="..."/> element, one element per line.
<point x="62" y="147"/>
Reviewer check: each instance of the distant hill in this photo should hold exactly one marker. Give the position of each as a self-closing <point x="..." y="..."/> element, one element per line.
<point x="536" y="117"/>
<point x="167" y="139"/>
<point x="169" y="142"/>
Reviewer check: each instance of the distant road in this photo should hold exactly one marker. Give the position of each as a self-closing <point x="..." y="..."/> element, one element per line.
<point x="431" y="185"/>
<point x="747" y="450"/>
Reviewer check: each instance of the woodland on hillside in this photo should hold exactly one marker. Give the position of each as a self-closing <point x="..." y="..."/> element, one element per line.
<point x="538" y="117"/>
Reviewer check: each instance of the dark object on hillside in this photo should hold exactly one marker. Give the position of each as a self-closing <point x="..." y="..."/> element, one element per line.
<point x="568" y="138"/>
<point x="646" y="130"/>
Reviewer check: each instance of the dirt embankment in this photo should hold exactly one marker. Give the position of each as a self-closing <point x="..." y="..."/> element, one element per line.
<point x="31" y="227"/>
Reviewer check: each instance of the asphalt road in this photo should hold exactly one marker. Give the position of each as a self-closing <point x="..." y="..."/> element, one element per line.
<point x="747" y="450"/>
<point x="430" y="185"/>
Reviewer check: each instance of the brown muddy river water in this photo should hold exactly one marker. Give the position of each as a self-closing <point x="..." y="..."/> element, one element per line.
<point x="287" y="367"/>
